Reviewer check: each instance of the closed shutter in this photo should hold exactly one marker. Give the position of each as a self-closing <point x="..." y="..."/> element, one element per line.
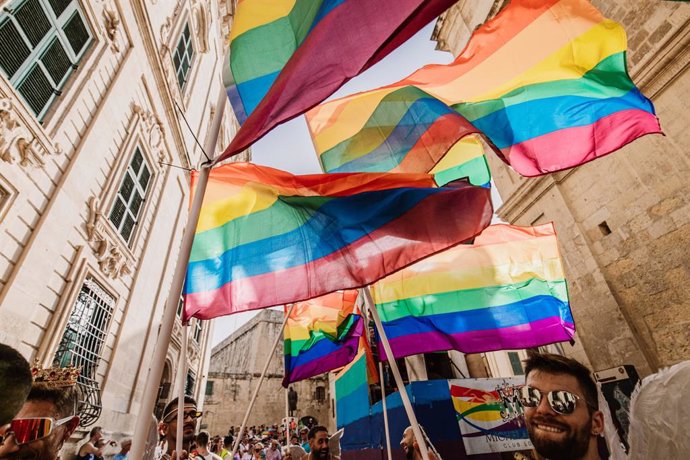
<point x="33" y="21"/>
<point x="56" y="62"/>
<point x="36" y="89"/>
<point x="59" y="6"/>
<point x="13" y="51"/>
<point x="76" y="33"/>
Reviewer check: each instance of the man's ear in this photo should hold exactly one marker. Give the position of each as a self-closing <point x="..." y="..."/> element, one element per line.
<point x="162" y="428"/>
<point x="71" y="426"/>
<point x="597" y="423"/>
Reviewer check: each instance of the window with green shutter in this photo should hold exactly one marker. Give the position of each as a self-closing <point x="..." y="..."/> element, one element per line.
<point x="130" y="197"/>
<point x="42" y="44"/>
<point x="183" y="56"/>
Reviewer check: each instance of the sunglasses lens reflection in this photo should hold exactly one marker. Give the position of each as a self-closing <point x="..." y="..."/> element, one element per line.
<point x="562" y="402"/>
<point x="30" y="429"/>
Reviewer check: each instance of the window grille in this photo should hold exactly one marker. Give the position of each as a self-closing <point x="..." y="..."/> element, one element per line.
<point x="82" y="344"/>
<point x="183" y="56"/>
<point x="130" y="197"/>
<point x="320" y="394"/>
<point x="42" y="43"/>
<point x="209" y="387"/>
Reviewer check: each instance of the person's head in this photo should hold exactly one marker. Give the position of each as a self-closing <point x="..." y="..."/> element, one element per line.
<point x="15" y="382"/>
<point x="227" y="442"/>
<point x="294" y="440"/>
<point x="125" y="445"/>
<point x="168" y="425"/>
<point x="95" y="434"/>
<point x="318" y="441"/>
<point x="561" y="407"/>
<point x="274" y="444"/>
<point x="257" y="449"/>
<point x="43" y="424"/>
<point x="304" y="432"/>
<point x="409" y="444"/>
<point x="202" y="439"/>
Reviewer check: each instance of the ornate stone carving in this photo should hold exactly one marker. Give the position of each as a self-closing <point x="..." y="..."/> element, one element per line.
<point x="153" y="131"/>
<point x="111" y="257"/>
<point x="16" y="141"/>
<point x="201" y="21"/>
<point x="111" y="24"/>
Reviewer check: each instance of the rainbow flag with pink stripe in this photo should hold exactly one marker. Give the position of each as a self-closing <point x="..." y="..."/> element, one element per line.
<point x="266" y="237"/>
<point x="321" y="335"/>
<point x="507" y="290"/>
<point x="545" y="81"/>
<point x="286" y="56"/>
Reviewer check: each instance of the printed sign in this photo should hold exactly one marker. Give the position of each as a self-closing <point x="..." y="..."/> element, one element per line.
<point x="490" y="416"/>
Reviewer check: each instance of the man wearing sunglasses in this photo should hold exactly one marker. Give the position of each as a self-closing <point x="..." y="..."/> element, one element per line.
<point x="561" y="408"/>
<point x="46" y="420"/>
<point x="168" y="426"/>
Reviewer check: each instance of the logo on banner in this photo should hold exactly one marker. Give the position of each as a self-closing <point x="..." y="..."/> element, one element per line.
<point x="490" y="416"/>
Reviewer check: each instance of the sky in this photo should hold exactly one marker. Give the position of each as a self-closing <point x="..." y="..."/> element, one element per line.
<point x="289" y="147"/>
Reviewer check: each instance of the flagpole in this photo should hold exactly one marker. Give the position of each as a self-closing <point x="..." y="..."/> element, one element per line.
<point x="155" y="371"/>
<point x="261" y="379"/>
<point x="396" y="374"/>
<point x="181" y="374"/>
<point x="382" y="382"/>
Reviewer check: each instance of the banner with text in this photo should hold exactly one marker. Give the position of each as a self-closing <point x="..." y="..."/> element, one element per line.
<point x="490" y="416"/>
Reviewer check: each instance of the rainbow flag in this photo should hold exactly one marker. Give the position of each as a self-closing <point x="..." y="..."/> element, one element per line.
<point x="352" y="401"/>
<point x="545" y="80"/>
<point x="266" y="237"/>
<point x="321" y="334"/>
<point x="286" y="56"/>
<point x="408" y="131"/>
<point x="507" y="290"/>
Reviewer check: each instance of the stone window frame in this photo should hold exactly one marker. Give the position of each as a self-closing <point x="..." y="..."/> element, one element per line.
<point x="197" y="331"/>
<point x="55" y="34"/>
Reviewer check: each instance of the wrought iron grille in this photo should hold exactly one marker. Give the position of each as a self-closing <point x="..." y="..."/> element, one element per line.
<point x="82" y="343"/>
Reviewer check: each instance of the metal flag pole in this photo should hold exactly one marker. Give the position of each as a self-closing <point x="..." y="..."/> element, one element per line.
<point x="155" y="372"/>
<point x="396" y="375"/>
<point x="261" y="380"/>
<point x="181" y="381"/>
<point x="382" y="382"/>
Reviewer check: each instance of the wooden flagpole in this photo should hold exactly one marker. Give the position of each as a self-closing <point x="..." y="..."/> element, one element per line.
<point x="396" y="374"/>
<point x="279" y="336"/>
<point x="181" y="383"/>
<point x="155" y="372"/>
<point x="385" y="411"/>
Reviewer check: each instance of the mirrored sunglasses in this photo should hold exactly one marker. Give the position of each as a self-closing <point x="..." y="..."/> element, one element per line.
<point x="561" y="401"/>
<point x="26" y="430"/>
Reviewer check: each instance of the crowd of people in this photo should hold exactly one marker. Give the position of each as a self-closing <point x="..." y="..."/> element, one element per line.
<point x="257" y="442"/>
<point x="39" y="415"/>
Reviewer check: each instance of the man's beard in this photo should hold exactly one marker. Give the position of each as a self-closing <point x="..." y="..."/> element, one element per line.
<point x="322" y="453"/>
<point x="573" y="447"/>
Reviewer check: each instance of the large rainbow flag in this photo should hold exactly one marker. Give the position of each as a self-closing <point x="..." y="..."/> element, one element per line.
<point x="409" y="131"/>
<point x="266" y="237"/>
<point x="286" y="56"/>
<point x="321" y="335"/>
<point x="545" y="80"/>
<point x="507" y="290"/>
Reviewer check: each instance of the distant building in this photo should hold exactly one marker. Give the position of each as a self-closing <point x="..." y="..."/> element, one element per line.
<point x="236" y="365"/>
<point x="623" y="221"/>
<point x="91" y="215"/>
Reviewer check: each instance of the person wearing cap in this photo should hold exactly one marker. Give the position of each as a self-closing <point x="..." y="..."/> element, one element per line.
<point x="47" y="418"/>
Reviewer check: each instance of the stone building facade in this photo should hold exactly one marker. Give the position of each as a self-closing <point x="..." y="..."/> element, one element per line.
<point x="93" y="102"/>
<point x="624" y="220"/>
<point x="236" y="365"/>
